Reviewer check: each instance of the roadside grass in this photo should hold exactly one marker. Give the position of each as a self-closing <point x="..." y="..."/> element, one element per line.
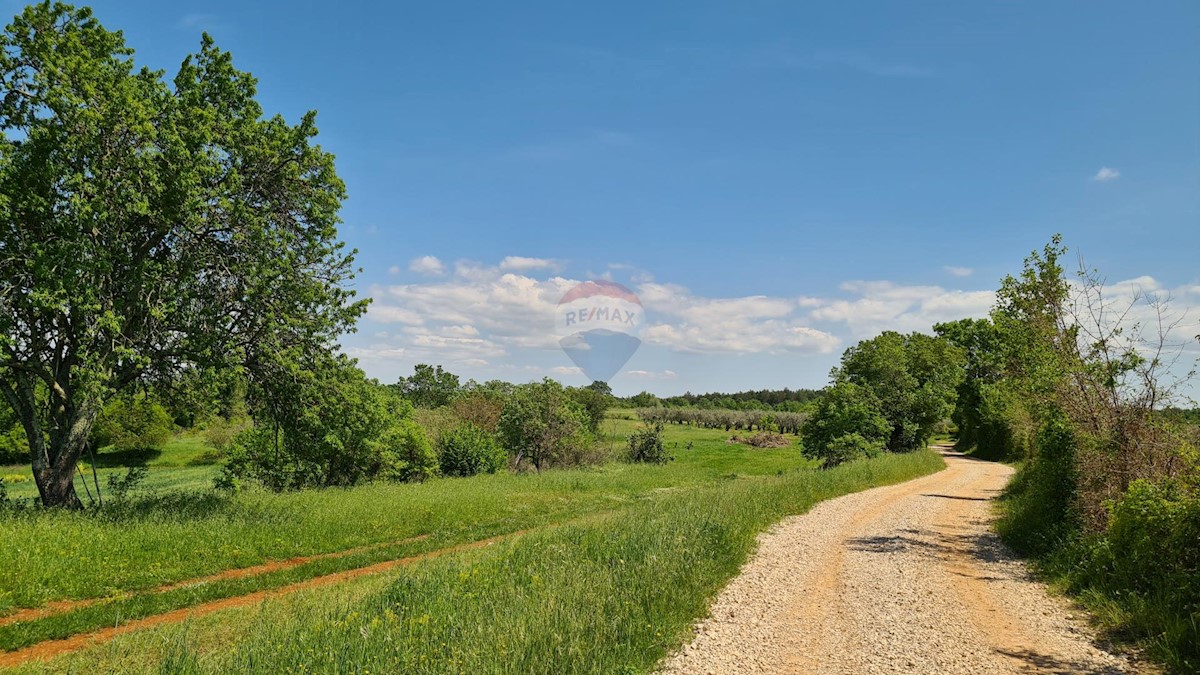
<point x="611" y="593"/>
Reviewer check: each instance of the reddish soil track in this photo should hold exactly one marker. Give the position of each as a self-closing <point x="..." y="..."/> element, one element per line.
<point x="51" y="648"/>
<point x="64" y="606"/>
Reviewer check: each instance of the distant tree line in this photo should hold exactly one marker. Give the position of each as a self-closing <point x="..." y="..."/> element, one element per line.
<point x="788" y="400"/>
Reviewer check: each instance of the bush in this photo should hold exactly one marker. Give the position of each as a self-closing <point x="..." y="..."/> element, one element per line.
<point x="847" y="424"/>
<point x="404" y="453"/>
<point x="334" y="428"/>
<point x="133" y="423"/>
<point x="469" y="450"/>
<point x="646" y="445"/>
<point x="120" y="487"/>
<point x="542" y="424"/>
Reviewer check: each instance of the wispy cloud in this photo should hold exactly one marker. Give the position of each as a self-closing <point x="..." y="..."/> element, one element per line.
<point x="516" y="263"/>
<point x="1106" y="174"/>
<point x="958" y="271"/>
<point x="652" y="374"/>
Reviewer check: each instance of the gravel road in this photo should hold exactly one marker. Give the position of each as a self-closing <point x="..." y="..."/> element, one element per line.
<point x="901" y="579"/>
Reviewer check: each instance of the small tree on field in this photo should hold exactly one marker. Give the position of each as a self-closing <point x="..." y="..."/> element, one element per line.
<point x="542" y="424"/>
<point x="328" y="425"/>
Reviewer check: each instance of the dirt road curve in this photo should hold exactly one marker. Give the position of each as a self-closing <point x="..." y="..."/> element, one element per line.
<point x="906" y="578"/>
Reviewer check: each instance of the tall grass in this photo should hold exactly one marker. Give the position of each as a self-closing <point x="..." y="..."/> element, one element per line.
<point x="609" y="595"/>
<point x="180" y="535"/>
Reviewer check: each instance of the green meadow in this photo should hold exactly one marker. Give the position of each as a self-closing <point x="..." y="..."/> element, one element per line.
<point x="605" y="569"/>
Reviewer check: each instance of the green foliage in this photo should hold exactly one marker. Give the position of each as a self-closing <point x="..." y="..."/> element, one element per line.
<point x="981" y="408"/>
<point x="848" y="423"/>
<point x="848" y="448"/>
<point x="331" y="426"/>
<point x="171" y="220"/>
<point x="646" y="445"/>
<point x="133" y="423"/>
<point x="543" y="424"/>
<point x="469" y="450"/>
<point x="594" y="404"/>
<point x="913" y="377"/>
<point x="644" y="400"/>
<point x="120" y="487"/>
<point x="600" y="387"/>
<point x="429" y="386"/>
<point x="1038" y="516"/>
<point x="14" y="447"/>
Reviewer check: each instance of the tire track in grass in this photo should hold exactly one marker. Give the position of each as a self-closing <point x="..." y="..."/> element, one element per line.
<point x="46" y="649"/>
<point x="52" y="648"/>
<point x="63" y="606"/>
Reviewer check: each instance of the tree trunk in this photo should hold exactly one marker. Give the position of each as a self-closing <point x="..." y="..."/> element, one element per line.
<point x="54" y="451"/>
<point x="56" y="485"/>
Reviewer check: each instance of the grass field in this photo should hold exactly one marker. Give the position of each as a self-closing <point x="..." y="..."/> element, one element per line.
<point x="186" y="462"/>
<point x="612" y="565"/>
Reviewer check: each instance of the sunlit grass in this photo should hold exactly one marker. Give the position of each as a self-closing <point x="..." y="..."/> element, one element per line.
<point x="608" y="594"/>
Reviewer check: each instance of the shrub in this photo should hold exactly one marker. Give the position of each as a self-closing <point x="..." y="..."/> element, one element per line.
<point x="221" y="434"/>
<point x="1154" y="538"/>
<point x="120" y="487"/>
<point x="542" y="424"/>
<point x="646" y="445"/>
<point x="847" y="420"/>
<point x="594" y="404"/>
<point x="333" y="428"/>
<point x="848" y="448"/>
<point x="469" y="450"/>
<point x="133" y="423"/>
<point x="404" y="453"/>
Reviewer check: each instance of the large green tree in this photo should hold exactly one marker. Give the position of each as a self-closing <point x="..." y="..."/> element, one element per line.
<point x="913" y="377"/>
<point x="148" y="228"/>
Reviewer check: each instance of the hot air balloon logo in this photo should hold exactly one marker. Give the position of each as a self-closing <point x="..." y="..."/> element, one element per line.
<point x="598" y="324"/>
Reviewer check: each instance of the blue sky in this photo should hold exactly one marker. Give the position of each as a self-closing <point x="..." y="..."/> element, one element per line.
<point x="774" y="179"/>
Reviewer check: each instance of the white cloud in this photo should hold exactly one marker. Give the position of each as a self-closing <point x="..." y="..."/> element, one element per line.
<point x="427" y="265"/>
<point x="1106" y="174"/>
<point x="394" y="270"/>
<point x="959" y="271"/>
<point x="492" y="321"/>
<point x="652" y="374"/>
<point x="884" y="305"/>
<point x="516" y="263"/>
